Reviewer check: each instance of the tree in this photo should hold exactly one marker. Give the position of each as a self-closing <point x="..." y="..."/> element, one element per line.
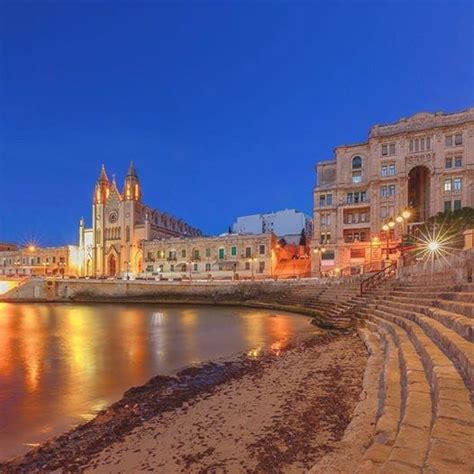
<point x="303" y="238"/>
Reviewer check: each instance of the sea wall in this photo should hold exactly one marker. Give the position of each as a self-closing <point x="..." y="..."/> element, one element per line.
<point x="283" y="295"/>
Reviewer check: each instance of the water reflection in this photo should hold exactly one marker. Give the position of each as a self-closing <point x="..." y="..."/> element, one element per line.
<point x="60" y="364"/>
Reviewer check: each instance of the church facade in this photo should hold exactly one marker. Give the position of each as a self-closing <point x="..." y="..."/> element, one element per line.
<point x="121" y="222"/>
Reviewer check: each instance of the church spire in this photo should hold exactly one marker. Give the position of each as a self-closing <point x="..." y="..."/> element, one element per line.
<point x="131" y="170"/>
<point x="132" y="191"/>
<point x="101" y="187"/>
<point x="103" y="175"/>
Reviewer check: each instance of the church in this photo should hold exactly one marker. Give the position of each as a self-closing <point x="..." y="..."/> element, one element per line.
<point x="121" y="222"/>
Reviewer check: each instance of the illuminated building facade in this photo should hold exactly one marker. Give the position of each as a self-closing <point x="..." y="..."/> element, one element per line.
<point x="121" y="223"/>
<point x="225" y="256"/>
<point x="424" y="164"/>
<point x="35" y="261"/>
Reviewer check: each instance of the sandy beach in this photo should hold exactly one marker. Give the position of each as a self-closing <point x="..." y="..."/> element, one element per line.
<point x="278" y="411"/>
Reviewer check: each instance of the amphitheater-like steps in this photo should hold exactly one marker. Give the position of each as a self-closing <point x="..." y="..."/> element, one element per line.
<point x="428" y="329"/>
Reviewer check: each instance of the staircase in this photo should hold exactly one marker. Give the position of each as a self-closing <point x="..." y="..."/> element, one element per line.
<point x="425" y="419"/>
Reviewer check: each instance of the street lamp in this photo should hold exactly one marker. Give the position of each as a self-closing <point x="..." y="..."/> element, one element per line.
<point x="319" y="251"/>
<point x="387" y="228"/>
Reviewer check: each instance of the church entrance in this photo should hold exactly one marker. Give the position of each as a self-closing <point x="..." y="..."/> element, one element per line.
<point x="112" y="265"/>
<point x="419" y="193"/>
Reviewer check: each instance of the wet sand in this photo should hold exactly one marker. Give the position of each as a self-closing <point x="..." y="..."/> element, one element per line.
<point x="280" y="411"/>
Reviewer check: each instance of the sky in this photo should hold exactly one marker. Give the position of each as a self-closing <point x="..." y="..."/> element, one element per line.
<point x="224" y="106"/>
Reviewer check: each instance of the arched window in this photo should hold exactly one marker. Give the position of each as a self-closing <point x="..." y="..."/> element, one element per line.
<point x="356" y="163"/>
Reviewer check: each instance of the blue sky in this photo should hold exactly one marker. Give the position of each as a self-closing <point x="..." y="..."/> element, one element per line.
<point x="225" y="107"/>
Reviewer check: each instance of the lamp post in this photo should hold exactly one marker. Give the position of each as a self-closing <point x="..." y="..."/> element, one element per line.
<point x="387" y="228"/>
<point x="319" y="251"/>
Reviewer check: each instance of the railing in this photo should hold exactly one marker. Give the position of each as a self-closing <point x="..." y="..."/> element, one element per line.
<point x="388" y="272"/>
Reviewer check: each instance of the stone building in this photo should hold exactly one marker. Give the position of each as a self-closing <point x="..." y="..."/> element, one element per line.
<point x="40" y="261"/>
<point x="226" y="256"/>
<point x="424" y="164"/>
<point x="120" y="224"/>
<point x="4" y="246"/>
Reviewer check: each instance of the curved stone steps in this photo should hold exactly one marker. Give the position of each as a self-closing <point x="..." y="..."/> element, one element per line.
<point x="467" y="309"/>
<point x="450" y="342"/>
<point x="452" y="430"/>
<point x="390" y="408"/>
<point x="466" y="296"/>
<point x="410" y="447"/>
<point x="457" y="322"/>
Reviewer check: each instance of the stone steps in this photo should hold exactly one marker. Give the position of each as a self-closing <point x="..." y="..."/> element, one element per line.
<point x="457" y="322"/>
<point x="406" y="448"/>
<point x="452" y="428"/>
<point x="459" y="350"/>
<point x="467" y="309"/>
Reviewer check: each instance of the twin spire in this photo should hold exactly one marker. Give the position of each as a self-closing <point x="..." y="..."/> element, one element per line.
<point x="131" y="189"/>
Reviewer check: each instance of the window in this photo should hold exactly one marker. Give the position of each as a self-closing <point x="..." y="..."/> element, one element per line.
<point x="247" y="265"/>
<point x="261" y="249"/>
<point x="383" y="211"/>
<point x="387" y="191"/>
<point x="172" y="255"/>
<point x="195" y="267"/>
<point x="325" y="200"/>
<point x="248" y="252"/>
<point x="196" y="254"/>
<point x="325" y="219"/>
<point x="325" y="237"/>
<point x="457" y="184"/>
<point x="183" y="253"/>
<point x="447" y="185"/>
<point x="328" y="255"/>
<point x="453" y="140"/>
<point x="208" y="252"/>
<point x="221" y="254"/>
<point x="447" y="206"/>
<point x="457" y="204"/>
<point x="357" y="177"/>
<point x="356" y="163"/>
<point x="160" y="267"/>
<point x="233" y="251"/>
<point x="261" y="267"/>
<point x="448" y="163"/>
<point x="208" y="267"/>
<point x="221" y="267"/>
<point x="457" y="161"/>
<point x="388" y="149"/>
<point x="349" y="198"/>
<point x="171" y="268"/>
<point x="388" y="170"/>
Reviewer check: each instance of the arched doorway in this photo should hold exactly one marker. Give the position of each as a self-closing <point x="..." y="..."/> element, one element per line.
<point x="112" y="265"/>
<point x="419" y="193"/>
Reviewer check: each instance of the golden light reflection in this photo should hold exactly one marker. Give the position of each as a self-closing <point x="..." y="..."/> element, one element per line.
<point x="254" y="353"/>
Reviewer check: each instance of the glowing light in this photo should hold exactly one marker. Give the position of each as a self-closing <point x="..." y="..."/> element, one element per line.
<point x="399" y="219"/>
<point x="406" y="214"/>
<point x="391" y="223"/>
<point x="31" y="248"/>
<point x="385" y="227"/>
<point x="433" y="246"/>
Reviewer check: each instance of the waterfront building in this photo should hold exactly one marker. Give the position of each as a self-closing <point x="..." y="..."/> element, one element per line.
<point x="5" y="246"/>
<point x="225" y="256"/>
<point x="120" y="223"/>
<point x="424" y="164"/>
<point x="286" y="224"/>
<point x="33" y="261"/>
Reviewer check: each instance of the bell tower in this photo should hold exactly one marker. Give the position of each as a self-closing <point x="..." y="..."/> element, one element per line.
<point x="132" y="197"/>
<point x="101" y="193"/>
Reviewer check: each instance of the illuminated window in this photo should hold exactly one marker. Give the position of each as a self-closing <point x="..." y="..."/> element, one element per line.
<point x="457" y="184"/>
<point x="447" y="184"/>
<point x="357" y="177"/>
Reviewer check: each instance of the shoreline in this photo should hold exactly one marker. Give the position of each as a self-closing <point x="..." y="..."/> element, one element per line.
<point x="165" y="397"/>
